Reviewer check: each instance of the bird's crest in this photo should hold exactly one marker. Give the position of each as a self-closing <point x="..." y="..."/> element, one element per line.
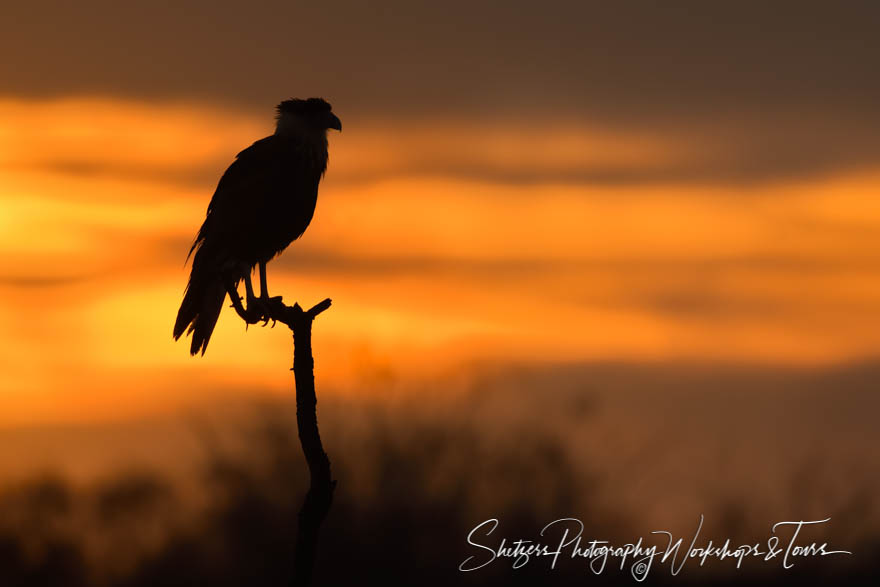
<point x="299" y="106"/>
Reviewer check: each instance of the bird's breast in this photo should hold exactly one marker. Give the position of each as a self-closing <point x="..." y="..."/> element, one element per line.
<point x="292" y="205"/>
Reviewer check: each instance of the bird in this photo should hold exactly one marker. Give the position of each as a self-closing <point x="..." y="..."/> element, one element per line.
<point x="264" y="201"/>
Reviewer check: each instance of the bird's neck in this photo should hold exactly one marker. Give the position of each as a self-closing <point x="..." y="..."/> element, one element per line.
<point x="308" y="146"/>
<point x="291" y="129"/>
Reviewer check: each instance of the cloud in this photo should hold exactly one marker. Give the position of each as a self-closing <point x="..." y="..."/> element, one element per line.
<point x="763" y="92"/>
<point x="187" y="146"/>
<point x="52" y="281"/>
<point x="403" y="57"/>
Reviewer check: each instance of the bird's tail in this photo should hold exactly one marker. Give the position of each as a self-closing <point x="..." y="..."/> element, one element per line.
<point x="200" y="309"/>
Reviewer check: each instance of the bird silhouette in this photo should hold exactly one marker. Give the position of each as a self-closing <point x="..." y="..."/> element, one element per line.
<point x="264" y="201"/>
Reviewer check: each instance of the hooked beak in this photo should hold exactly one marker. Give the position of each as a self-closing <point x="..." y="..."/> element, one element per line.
<point x="334" y="122"/>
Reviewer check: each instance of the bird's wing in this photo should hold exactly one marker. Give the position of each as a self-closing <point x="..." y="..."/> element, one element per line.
<point x="243" y="195"/>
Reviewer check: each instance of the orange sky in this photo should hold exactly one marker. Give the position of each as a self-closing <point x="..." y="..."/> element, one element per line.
<point x="434" y="252"/>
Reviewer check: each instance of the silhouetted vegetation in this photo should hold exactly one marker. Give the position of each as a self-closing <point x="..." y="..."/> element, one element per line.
<point x="416" y="477"/>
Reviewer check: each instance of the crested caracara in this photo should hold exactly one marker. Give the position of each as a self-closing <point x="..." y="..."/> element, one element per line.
<point x="263" y="202"/>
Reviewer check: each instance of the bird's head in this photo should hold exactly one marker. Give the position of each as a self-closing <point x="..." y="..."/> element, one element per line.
<point x="297" y="116"/>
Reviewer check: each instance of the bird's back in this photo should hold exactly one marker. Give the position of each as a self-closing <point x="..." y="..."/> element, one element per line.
<point x="264" y="201"/>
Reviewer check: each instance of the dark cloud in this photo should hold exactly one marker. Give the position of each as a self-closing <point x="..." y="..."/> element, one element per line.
<point x="302" y="258"/>
<point x="196" y="176"/>
<point x="392" y="55"/>
<point x="30" y="282"/>
<point x="705" y="154"/>
<point x="776" y="89"/>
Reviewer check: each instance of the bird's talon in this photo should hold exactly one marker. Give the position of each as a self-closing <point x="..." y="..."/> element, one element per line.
<point x="257" y="310"/>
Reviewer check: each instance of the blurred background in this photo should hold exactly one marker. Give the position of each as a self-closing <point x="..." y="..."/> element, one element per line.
<point x="618" y="262"/>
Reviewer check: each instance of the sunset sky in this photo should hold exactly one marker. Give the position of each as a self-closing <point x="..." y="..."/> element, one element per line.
<point x="516" y="181"/>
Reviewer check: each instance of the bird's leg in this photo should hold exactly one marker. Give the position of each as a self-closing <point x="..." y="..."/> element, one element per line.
<point x="258" y="307"/>
<point x="229" y="282"/>
<point x="264" y="289"/>
<point x="249" y="288"/>
<point x="255" y="306"/>
<point x="264" y="292"/>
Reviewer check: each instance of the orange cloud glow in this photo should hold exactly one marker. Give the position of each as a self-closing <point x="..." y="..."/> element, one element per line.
<point x="433" y="257"/>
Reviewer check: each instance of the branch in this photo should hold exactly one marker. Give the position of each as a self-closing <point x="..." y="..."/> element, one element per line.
<point x="295" y="316"/>
<point x="319" y="498"/>
<point x="320" y="495"/>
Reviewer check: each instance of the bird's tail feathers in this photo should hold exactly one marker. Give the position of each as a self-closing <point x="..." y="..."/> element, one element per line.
<point x="200" y="310"/>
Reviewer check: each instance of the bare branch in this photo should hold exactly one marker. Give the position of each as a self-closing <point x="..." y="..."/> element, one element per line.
<point x="319" y="497"/>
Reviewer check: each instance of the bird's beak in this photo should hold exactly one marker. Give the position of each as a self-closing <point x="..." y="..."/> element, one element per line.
<point x="334" y="122"/>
